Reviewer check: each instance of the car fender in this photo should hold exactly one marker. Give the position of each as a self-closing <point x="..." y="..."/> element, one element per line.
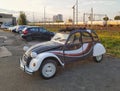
<point x="40" y="58"/>
<point x="98" y="49"/>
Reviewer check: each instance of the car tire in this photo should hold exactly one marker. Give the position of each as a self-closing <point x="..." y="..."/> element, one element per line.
<point x="48" y="69"/>
<point x="98" y="58"/>
<point x="29" y="38"/>
<point x="13" y="31"/>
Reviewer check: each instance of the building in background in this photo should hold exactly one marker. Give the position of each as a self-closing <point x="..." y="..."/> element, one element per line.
<point x="7" y="19"/>
<point x="58" y="18"/>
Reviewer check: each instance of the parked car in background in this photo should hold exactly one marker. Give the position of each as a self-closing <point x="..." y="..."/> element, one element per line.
<point x="12" y="29"/>
<point x="19" y="28"/>
<point x="6" y="25"/>
<point x="35" y="32"/>
<point x="63" y="48"/>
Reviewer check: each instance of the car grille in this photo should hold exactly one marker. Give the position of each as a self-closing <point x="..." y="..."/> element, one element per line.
<point x="27" y="59"/>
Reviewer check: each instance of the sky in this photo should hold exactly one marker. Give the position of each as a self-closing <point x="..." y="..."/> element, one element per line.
<point x="34" y="9"/>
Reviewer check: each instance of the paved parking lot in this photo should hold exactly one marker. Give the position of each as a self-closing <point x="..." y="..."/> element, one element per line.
<point x="85" y="75"/>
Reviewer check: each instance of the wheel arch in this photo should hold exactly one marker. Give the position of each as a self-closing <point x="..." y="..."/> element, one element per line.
<point x="53" y="58"/>
<point x="42" y="57"/>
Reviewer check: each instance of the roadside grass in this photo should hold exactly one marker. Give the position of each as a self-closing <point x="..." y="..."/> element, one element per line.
<point x="110" y="39"/>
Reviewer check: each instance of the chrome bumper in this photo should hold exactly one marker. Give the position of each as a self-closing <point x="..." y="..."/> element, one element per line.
<point x="25" y="68"/>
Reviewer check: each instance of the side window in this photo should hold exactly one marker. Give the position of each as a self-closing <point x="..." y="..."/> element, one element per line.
<point x="86" y="37"/>
<point x="95" y="37"/>
<point x="42" y="30"/>
<point x="74" y="42"/>
<point x="34" y="29"/>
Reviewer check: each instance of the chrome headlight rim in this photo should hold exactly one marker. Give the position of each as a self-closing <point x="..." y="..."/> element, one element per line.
<point x="33" y="54"/>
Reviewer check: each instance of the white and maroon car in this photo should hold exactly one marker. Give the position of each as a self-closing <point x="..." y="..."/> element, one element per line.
<point x="63" y="48"/>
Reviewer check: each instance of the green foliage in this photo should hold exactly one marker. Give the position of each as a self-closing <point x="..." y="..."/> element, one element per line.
<point x="111" y="41"/>
<point x="106" y="18"/>
<point x="22" y="18"/>
<point x="117" y="18"/>
<point x="70" y="20"/>
<point x="58" y="21"/>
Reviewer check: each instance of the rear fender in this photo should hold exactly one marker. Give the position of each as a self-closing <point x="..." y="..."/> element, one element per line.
<point x="98" y="49"/>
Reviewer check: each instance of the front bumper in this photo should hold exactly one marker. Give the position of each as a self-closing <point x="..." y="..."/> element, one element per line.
<point x="25" y="68"/>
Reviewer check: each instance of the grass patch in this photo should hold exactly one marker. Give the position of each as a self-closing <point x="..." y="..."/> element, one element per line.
<point x="111" y="41"/>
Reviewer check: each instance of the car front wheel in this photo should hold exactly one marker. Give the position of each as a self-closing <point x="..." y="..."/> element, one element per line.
<point x="48" y="69"/>
<point x="98" y="58"/>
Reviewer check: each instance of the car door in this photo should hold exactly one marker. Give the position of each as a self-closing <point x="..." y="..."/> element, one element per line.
<point x="73" y="48"/>
<point x="87" y="43"/>
<point x="78" y="46"/>
<point x="34" y="32"/>
<point x="44" y="33"/>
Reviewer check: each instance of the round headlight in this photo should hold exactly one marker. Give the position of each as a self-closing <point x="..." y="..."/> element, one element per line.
<point x="25" y="48"/>
<point x="33" y="54"/>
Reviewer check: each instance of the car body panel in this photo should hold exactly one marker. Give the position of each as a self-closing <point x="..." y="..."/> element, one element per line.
<point x="98" y="49"/>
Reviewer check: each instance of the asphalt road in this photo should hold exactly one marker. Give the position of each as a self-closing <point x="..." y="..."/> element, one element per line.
<point x="85" y="75"/>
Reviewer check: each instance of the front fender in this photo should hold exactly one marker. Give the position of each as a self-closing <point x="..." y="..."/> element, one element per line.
<point x="40" y="58"/>
<point x="98" y="49"/>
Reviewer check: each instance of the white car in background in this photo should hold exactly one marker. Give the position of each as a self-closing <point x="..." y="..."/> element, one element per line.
<point x="13" y="28"/>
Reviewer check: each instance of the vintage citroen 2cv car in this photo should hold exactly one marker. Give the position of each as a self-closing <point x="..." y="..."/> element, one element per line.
<point x="64" y="47"/>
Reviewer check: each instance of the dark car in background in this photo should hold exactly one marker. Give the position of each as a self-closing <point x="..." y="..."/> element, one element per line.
<point x="34" y="32"/>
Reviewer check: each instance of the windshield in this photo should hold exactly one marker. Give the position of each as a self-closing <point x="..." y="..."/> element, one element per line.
<point x="60" y="38"/>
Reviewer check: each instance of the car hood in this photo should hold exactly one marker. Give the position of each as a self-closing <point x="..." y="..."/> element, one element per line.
<point x="42" y="47"/>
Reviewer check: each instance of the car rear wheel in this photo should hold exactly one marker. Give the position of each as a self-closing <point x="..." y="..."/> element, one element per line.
<point x="98" y="58"/>
<point x="48" y="69"/>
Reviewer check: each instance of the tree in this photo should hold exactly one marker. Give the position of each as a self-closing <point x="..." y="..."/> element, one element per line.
<point x="70" y="20"/>
<point x="106" y="18"/>
<point x="22" y="18"/>
<point x="117" y="18"/>
<point x="58" y="21"/>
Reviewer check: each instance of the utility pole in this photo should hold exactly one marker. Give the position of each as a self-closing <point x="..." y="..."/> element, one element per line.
<point x="91" y="16"/>
<point x="44" y="16"/>
<point x="119" y="13"/>
<point x="84" y="18"/>
<point x="73" y="15"/>
<point x="76" y="12"/>
<point x="33" y="19"/>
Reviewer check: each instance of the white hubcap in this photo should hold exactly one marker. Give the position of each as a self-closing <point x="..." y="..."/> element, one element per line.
<point x="49" y="70"/>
